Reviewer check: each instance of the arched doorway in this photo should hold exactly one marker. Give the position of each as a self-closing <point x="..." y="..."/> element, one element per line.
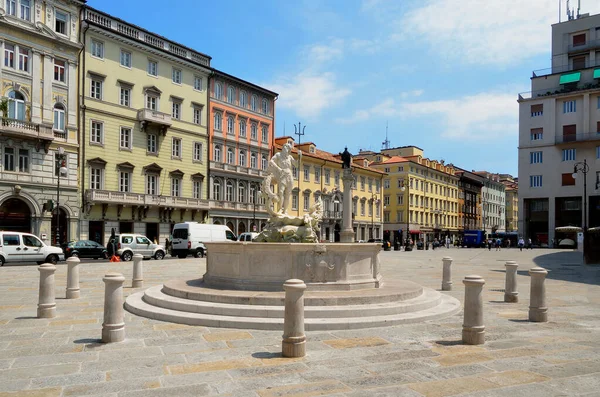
<point x="15" y="215"/>
<point x="63" y="221"/>
<point x="253" y="227"/>
<point x="241" y="228"/>
<point x="230" y="226"/>
<point x="336" y="233"/>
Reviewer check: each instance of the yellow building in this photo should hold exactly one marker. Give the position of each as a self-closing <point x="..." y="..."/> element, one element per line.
<point x="419" y="195"/>
<point x="144" y="130"/>
<point x="512" y="202"/>
<point x="321" y="176"/>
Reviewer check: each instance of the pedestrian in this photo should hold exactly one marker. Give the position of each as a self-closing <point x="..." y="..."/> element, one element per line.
<point x="447" y="242"/>
<point x="498" y="244"/>
<point x="521" y="243"/>
<point x="489" y="244"/>
<point x="529" y="245"/>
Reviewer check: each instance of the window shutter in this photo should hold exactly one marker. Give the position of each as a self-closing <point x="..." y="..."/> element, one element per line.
<point x="579" y="39"/>
<point x="537" y="108"/>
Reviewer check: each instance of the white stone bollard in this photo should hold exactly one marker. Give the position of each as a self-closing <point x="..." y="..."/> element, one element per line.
<point x="538" y="311"/>
<point x="511" y="294"/>
<point x="447" y="274"/>
<point x="113" y="327"/>
<point x="473" y="332"/>
<point x="138" y="276"/>
<point x="294" y="339"/>
<point x="46" y="302"/>
<point x="73" y="278"/>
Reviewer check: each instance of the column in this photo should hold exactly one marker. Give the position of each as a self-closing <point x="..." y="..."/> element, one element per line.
<point x="46" y="298"/>
<point x="113" y="327"/>
<point x="72" y="95"/>
<point x="47" y="103"/>
<point x="36" y="87"/>
<point x="538" y="311"/>
<point x="347" y="233"/>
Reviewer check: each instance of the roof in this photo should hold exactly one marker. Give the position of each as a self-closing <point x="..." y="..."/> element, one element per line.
<point x="252" y="85"/>
<point x="395" y="159"/>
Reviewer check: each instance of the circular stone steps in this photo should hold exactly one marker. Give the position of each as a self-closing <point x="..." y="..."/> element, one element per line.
<point x="188" y="302"/>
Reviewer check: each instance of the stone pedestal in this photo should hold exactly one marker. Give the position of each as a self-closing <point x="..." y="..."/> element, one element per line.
<point x="347" y="233"/>
<point x="294" y="339"/>
<point x="72" y="278"/>
<point x="46" y="300"/>
<point x="511" y="295"/>
<point x="447" y="274"/>
<point x="113" y="327"/>
<point x="538" y="311"/>
<point x="138" y="276"/>
<point x="473" y="332"/>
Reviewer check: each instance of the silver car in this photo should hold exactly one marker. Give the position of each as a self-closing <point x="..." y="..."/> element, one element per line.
<point x="127" y="245"/>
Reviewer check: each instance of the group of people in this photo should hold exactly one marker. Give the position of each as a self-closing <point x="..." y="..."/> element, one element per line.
<point x="522" y="244"/>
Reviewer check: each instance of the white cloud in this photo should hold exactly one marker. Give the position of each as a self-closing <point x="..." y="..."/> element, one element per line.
<point x="494" y="32"/>
<point x="322" y="53"/>
<point x="388" y="107"/>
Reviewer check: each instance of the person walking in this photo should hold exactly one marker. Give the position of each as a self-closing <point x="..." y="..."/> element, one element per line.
<point x="521" y="243"/>
<point x="529" y="244"/>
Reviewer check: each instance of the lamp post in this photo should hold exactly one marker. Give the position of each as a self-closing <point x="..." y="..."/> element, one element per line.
<point x="60" y="169"/>
<point x="256" y="193"/>
<point x="373" y="201"/>
<point x="584" y="168"/>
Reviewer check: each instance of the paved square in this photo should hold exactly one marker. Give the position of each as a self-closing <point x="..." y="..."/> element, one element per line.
<point x="63" y="356"/>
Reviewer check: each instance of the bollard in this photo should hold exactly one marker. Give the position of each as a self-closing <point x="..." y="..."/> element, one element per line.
<point x="46" y="301"/>
<point x="294" y="340"/>
<point x="538" y="312"/>
<point x="473" y="332"/>
<point x="73" y="278"/>
<point x="138" y="277"/>
<point x="511" y="294"/>
<point x="447" y="274"/>
<point x="113" y="327"/>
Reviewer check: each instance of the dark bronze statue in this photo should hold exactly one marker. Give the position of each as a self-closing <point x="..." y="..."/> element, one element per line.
<point x="346" y="158"/>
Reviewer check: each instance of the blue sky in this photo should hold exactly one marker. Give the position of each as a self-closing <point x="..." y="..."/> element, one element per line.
<point x="442" y="74"/>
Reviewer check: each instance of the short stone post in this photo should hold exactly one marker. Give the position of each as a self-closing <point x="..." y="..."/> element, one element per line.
<point x="447" y="274"/>
<point x="294" y="339"/>
<point x="473" y="332"/>
<point x="46" y="301"/>
<point x="138" y="277"/>
<point x="73" y="278"/>
<point x="538" y="311"/>
<point x="511" y="295"/>
<point x="113" y="327"/>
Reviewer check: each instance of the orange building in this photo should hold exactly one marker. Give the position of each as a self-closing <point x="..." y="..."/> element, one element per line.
<point x="241" y="131"/>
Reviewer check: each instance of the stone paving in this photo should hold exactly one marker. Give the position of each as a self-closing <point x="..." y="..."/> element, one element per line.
<point x="64" y="357"/>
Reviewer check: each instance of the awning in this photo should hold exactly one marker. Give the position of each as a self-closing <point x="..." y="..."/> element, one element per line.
<point x="414" y="231"/>
<point x="570" y="78"/>
<point x="568" y="229"/>
<point x="597" y="74"/>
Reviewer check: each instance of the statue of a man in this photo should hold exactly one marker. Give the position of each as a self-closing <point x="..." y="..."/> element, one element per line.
<point x="280" y="167"/>
<point x="346" y="158"/>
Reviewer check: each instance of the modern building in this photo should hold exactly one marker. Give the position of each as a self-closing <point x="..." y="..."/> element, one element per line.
<point x="420" y="195"/>
<point x="559" y="128"/>
<point x="321" y="177"/>
<point x="512" y="202"/>
<point x="39" y="46"/>
<point x="493" y="203"/>
<point x="144" y="134"/>
<point x="241" y="135"/>
<point x="469" y="201"/>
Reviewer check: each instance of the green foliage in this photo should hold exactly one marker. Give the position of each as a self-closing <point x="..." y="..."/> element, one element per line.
<point x="4" y="107"/>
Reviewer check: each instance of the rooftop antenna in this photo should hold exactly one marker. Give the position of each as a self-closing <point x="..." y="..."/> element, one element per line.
<point x="299" y="131"/>
<point x="559" y="10"/>
<point x="386" y="144"/>
<point x="569" y="12"/>
<point x="578" y="7"/>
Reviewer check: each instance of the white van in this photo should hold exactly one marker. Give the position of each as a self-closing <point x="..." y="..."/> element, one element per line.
<point x="189" y="238"/>
<point x="25" y="247"/>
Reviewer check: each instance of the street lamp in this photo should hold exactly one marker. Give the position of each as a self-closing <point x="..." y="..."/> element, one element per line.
<point x="60" y="169"/>
<point x="255" y="196"/>
<point x="584" y="168"/>
<point x="373" y="201"/>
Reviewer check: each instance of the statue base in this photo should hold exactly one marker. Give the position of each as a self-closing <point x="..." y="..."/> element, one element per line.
<point x="347" y="236"/>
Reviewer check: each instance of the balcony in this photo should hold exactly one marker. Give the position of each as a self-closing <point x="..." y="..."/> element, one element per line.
<point x="135" y="199"/>
<point x="549" y="84"/>
<point x="233" y="205"/>
<point x="332" y="215"/>
<point x="149" y="117"/>
<point x="575" y="138"/>
<point x="26" y="129"/>
<point x="215" y="165"/>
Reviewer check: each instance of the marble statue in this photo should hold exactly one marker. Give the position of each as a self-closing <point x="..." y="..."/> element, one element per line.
<point x="281" y="226"/>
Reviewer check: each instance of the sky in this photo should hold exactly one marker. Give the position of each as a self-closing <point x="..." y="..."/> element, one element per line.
<point x="442" y="75"/>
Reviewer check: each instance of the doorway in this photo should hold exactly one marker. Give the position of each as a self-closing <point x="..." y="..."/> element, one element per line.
<point x="15" y="215"/>
<point x="152" y="231"/>
<point x="63" y="226"/>
<point x="96" y="232"/>
<point x="125" y="227"/>
<point x="336" y="233"/>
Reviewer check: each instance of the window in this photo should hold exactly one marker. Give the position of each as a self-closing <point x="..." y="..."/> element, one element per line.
<point x="176" y="113"/>
<point x="254" y="131"/>
<point x="579" y="63"/>
<point x="579" y="39"/>
<point x="126" y="59"/>
<point x="230" y="94"/>
<point x="217" y="153"/>
<point x="362" y="208"/>
<point x="386" y="183"/>
<point x="152" y="68"/>
<point x="265" y="106"/>
<point x="96" y="135"/>
<point x="253" y="103"/>
<point x="535" y="181"/>
<point x="599" y="102"/>
<point x="362" y="183"/>
<point x="327" y="176"/>
<point x="218" y="121"/>
<point x="294" y="201"/>
<point x="400" y="199"/>
<point x="598" y="152"/>
<point x="253" y="160"/>
<point x="537" y="134"/>
<point x="23" y="59"/>
<point x="96" y="178"/>
<point x="241" y="193"/>
<point x="230" y="158"/>
<point x="263" y="162"/>
<point x="306" y="202"/>
<point x="242" y="128"/>
<point x="59" y="117"/>
<point x="176" y="148"/>
<point x="11" y="7"/>
<point x="568" y="180"/>
<point x="9" y="159"/>
<point x="197" y="189"/>
<point x="229" y="191"/>
<point x="377" y="185"/>
<point x="535" y="157"/>
<point x="59" y="70"/>
<point x="23" y="160"/>
<point x="151" y="102"/>
<point x="175" y="187"/>
<point x="265" y="134"/>
<point x="306" y="174"/>
<point x="198" y="83"/>
<point x="9" y="57"/>
<point x="151" y="143"/>
<point x="243" y="99"/>
<point x="336" y="178"/>
<point x="125" y="138"/>
<point x="151" y="184"/>
<point x="218" y="91"/>
<point x="60" y="22"/>
<point x="26" y="10"/>
<point x="569" y="154"/>
<point x="197" y="151"/>
<point x="125" y="96"/>
<point x="242" y="159"/>
<point x="96" y="89"/>
<point x="317" y="175"/>
<point x="569" y="106"/>
<point x="230" y="125"/>
<point x="216" y="190"/>
<point x="176" y="76"/>
<point x="197" y="115"/>
<point x="125" y="181"/>
<point x="97" y="49"/>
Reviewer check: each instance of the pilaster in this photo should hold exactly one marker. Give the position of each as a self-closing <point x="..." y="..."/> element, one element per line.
<point x="36" y="85"/>
<point x="47" y="104"/>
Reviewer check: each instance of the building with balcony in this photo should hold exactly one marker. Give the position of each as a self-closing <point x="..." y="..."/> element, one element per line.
<point x="39" y="49"/>
<point x="320" y="176"/>
<point x="493" y="203"/>
<point x="559" y="126"/>
<point x="419" y="195"/>
<point x="144" y="138"/>
<point x="469" y="200"/>
<point x="241" y="133"/>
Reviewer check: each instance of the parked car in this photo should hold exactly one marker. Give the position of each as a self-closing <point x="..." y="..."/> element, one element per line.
<point x="25" y="247"/>
<point x="189" y="238"/>
<point x="127" y="245"/>
<point x="249" y="236"/>
<point x="85" y="249"/>
<point x="375" y="240"/>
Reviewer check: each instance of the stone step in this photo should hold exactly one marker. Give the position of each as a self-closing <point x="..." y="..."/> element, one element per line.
<point x="135" y="304"/>
<point x="155" y="297"/>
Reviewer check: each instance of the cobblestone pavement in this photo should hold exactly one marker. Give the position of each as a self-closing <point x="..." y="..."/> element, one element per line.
<point x="63" y="357"/>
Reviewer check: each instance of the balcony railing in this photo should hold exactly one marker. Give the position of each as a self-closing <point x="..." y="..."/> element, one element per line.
<point x="583" y="137"/>
<point x="152" y="116"/>
<point x="557" y="90"/>
<point x="332" y="214"/>
<point x="234" y="205"/>
<point x="216" y="165"/>
<point x="107" y="196"/>
<point x="22" y="128"/>
<point x="563" y="69"/>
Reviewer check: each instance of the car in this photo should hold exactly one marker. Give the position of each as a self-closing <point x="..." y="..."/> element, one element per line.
<point x="85" y="249"/>
<point x="127" y="245"/>
<point x="189" y="238"/>
<point x="26" y="247"/>
<point x="249" y="236"/>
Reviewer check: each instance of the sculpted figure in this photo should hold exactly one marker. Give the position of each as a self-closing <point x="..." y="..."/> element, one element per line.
<point x="346" y="158"/>
<point x="279" y="170"/>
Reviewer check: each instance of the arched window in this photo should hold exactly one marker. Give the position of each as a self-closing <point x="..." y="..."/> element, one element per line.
<point x="16" y="105"/>
<point x="218" y="91"/>
<point x="218" y="121"/>
<point x="229" y="191"/>
<point x="242" y="128"/>
<point x="231" y="94"/>
<point x="263" y="162"/>
<point x="230" y="159"/>
<point x="253" y="103"/>
<point x="241" y="193"/>
<point x="254" y="131"/>
<point x="242" y="156"/>
<point x="217" y="153"/>
<point x="230" y="125"/>
<point x="59" y="117"/>
<point x="217" y="190"/>
<point x="252" y="196"/>
<point x="243" y="99"/>
<point x="265" y="106"/>
<point x="253" y="160"/>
